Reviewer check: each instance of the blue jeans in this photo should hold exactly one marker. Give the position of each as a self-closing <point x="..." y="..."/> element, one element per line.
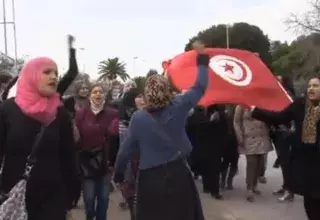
<point x="96" y="197"/>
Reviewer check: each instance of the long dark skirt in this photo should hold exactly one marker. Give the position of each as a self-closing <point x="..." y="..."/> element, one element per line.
<point x="168" y="192"/>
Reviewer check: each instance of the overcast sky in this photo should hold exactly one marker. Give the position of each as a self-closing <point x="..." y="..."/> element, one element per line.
<point x="148" y="29"/>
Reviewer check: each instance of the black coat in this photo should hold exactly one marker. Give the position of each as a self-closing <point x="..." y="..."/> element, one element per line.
<point x="52" y="180"/>
<point x="208" y="138"/>
<point x="305" y="158"/>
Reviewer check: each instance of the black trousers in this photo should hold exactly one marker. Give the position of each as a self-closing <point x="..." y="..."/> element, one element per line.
<point x="282" y="145"/>
<point x="230" y="160"/>
<point x="312" y="206"/>
<point x="131" y="204"/>
<point x="211" y="175"/>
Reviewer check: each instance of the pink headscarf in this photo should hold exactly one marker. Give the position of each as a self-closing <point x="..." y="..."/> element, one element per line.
<point x="29" y="98"/>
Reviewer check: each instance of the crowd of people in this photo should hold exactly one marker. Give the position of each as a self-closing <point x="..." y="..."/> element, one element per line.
<point x="152" y="143"/>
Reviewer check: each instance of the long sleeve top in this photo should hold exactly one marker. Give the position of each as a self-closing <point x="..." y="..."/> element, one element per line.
<point x="304" y="158"/>
<point x="145" y="131"/>
<point x="97" y="130"/>
<point x="72" y="73"/>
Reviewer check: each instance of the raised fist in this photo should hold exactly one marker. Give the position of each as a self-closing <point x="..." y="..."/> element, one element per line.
<point x="71" y="40"/>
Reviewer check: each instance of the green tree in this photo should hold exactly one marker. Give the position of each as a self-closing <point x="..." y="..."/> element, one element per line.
<point x="111" y="69"/>
<point x="280" y="62"/>
<point x="152" y="72"/>
<point x="140" y="81"/>
<point x="241" y="36"/>
<point x="300" y="59"/>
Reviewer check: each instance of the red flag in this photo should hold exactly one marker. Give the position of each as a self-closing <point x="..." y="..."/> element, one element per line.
<point x="235" y="77"/>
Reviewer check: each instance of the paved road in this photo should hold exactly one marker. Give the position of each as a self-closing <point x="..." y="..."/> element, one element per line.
<point x="234" y="207"/>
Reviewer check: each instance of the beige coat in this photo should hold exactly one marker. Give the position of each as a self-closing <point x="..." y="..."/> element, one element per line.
<point x="252" y="133"/>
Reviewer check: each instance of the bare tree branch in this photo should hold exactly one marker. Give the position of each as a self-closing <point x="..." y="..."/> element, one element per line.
<point x="308" y="22"/>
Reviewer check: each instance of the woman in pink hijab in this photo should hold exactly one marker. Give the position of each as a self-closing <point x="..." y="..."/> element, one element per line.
<point x="37" y="104"/>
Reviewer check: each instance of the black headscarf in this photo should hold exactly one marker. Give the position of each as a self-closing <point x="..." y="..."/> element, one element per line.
<point x="127" y="105"/>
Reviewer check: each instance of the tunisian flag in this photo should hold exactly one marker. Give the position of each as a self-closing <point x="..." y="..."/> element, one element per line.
<point x="235" y="77"/>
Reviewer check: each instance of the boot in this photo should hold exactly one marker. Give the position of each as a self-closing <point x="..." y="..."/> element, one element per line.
<point x="250" y="196"/>
<point x="217" y="196"/>
<point x="231" y="175"/>
<point x="287" y="197"/>
<point x="223" y="177"/>
<point x="279" y="192"/>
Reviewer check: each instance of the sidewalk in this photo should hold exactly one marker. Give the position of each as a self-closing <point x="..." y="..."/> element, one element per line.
<point x="213" y="210"/>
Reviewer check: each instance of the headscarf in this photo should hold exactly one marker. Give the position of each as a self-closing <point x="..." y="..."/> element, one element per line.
<point x="79" y="100"/>
<point x="28" y="96"/>
<point x="128" y="85"/>
<point x="157" y="92"/>
<point x="96" y="109"/>
<point x="128" y="105"/>
<point x="309" y="126"/>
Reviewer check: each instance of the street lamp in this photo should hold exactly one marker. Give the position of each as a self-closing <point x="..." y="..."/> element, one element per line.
<point x="84" y="65"/>
<point x="13" y="23"/>
<point x="134" y="64"/>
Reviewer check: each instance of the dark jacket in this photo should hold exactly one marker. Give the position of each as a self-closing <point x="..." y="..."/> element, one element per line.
<point x="305" y="158"/>
<point x="97" y="130"/>
<point x="52" y="178"/>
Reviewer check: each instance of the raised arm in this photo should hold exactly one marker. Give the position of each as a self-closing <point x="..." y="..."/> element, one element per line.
<point x="127" y="147"/>
<point x="72" y="73"/>
<point x="190" y="98"/>
<point x="276" y="118"/>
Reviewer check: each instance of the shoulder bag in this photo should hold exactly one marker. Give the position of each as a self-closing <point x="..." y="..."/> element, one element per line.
<point x="12" y="205"/>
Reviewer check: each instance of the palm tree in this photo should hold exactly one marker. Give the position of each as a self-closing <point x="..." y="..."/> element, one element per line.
<point x="111" y="69"/>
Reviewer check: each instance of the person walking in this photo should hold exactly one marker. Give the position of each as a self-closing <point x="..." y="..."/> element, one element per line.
<point x="165" y="186"/>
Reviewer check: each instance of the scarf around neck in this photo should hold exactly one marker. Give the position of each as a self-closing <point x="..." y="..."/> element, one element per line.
<point x="309" y="126"/>
<point x="96" y="109"/>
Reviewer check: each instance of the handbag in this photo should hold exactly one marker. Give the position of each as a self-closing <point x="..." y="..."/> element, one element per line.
<point x="92" y="162"/>
<point x="13" y="205"/>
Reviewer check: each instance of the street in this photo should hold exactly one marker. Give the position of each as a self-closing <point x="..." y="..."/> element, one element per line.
<point x="234" y="206"/>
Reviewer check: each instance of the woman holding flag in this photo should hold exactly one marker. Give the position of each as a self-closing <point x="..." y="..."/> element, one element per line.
<point x="305" y="151"/>
<point x="165" y="188"/>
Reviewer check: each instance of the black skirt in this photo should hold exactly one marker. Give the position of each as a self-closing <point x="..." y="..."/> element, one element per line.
<point x="167" y="192"/>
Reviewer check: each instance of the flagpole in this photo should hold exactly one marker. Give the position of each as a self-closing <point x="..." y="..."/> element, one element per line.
<point x="5" y="27"/>
<point x="15" y="34"/>
<point x="227" y="36"/>
<point x="134" y="65"/>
